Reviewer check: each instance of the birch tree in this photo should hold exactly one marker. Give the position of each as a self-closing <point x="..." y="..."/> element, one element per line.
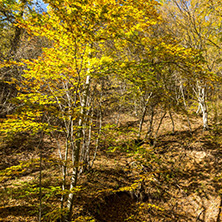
<point x="60" y="82"/>
<point x="196" y="25"/>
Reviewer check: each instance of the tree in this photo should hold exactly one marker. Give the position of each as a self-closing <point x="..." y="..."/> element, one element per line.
<point x="14" y="46"/>
<point x="195" y="24"/>
<point x="155" y="71"/>
<point x="60" y="84"/>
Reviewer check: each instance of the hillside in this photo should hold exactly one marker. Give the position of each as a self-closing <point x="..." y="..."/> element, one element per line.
<point x="177" y="180"/>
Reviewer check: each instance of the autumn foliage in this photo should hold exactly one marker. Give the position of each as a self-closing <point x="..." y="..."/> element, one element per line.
<point x="103" y="56"/>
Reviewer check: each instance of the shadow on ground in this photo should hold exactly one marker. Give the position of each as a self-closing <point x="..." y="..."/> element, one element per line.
<point x="185" y="186"/>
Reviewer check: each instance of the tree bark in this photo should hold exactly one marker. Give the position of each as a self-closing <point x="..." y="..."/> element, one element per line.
<point x="185" y="106"/>
<point x="172" y="121"/>
<point x="201" y="96"/>
<point x="203" y="106"/>
<point x="143" y="115"/>
<point x="76" y="150"/>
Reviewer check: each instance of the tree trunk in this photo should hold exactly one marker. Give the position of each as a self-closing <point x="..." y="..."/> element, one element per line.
<point x="201" y="96"/>
<point x="150" y="129"/>
<point x="203" y="106"/>
<point x="99" y="131"/>
<point x="76" y="150"/>
<point x="143" y="115"/>
<point x="172" y="121"/>
<point x="185" y="106"/>
<point x="160" y="123"/>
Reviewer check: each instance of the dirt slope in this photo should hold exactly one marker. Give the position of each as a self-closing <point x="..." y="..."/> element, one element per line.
<point x="181" y="179"/>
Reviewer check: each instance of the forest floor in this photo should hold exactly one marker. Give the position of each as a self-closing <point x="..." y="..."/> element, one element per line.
<point x="180" y="179"/>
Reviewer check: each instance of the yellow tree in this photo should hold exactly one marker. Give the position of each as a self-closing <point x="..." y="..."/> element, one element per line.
<point x="59" y="84"/>
<point x="10" y="48"/>
<point x="195" y="24"/>
<point x="153" y="63"/>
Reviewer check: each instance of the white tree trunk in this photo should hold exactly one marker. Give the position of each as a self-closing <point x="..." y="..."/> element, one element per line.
<point x="76" y="149"/>
<point x="203" y="106"/>
<point x="201" y="96"/>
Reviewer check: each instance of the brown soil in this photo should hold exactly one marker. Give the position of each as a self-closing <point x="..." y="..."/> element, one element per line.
<point x="182" y="177"/>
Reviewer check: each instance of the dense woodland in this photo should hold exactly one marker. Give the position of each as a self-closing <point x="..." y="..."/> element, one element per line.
<point x="110" y="110"/>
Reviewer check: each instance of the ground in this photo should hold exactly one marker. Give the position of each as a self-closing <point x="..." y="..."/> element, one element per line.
<point x="177" y="180"/>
